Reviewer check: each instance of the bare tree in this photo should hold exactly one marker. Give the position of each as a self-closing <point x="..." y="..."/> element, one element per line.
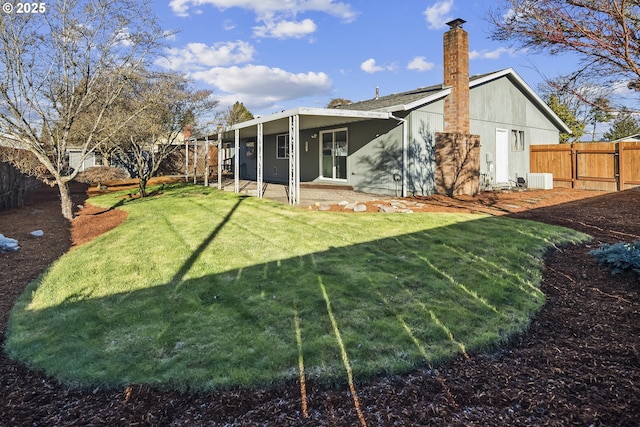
<point x="604" y="33"/>
<point x="154" y="134"/>
<point x="72" y="58"/>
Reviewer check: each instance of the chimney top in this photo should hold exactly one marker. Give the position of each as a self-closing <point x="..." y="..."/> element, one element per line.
<point x="456" y="23"/>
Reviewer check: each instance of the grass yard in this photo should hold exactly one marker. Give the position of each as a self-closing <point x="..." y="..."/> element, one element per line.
<point x="201" y="289"/>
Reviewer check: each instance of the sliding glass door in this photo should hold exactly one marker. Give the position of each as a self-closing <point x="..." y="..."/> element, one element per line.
<point x="334" y="153"/>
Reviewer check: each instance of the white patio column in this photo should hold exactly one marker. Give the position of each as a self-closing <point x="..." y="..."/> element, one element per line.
<point x="206" y="161"/>
<point x="236" y="163"/>
<point x="294" y="160"/>
<point x="220" y="160"/>
<point x="195" y="161"/>
<point x="259" y="159"/>
<point x="186" y="159"/>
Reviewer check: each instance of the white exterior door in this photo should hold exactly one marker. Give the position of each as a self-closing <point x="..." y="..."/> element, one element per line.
<point x="502" y="156"/>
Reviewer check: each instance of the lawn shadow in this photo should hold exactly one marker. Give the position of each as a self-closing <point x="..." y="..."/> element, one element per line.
<point x="399" y="302"/>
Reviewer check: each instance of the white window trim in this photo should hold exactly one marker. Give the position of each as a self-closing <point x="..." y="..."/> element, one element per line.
<point x="286" y="146"/>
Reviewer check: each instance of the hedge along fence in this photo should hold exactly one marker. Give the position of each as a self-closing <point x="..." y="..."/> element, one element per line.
<point x="14" y="185"/>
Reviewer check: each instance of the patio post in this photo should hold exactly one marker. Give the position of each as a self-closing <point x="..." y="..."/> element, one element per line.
<point x="186" y="159"/>
<point x="206" y="161"/>
<point x="294" y="160"/>
<point x="259" y="159"/>
<point x="236" y="163"/>
<point x="220" y="160"/>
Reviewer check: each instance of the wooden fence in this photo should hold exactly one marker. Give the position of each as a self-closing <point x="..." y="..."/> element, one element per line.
<point x="605" y="166"/>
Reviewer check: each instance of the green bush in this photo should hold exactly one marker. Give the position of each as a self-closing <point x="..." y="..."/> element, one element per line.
<point x="619" y="257"/>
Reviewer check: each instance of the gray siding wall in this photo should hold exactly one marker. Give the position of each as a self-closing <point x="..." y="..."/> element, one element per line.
<point x="501" y="105"/>
<point x="421" y="154"/>
<point x="375" y="156"/>
<point x="275" y="169"/>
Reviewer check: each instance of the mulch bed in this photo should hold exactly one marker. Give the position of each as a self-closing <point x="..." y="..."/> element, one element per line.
<point x="578" y="364"/>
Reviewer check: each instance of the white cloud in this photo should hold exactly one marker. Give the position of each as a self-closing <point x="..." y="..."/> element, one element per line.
<point x="196" y="56"/>
<point x="439" y="14"/>
<point x="268" y="8"/>
<point x="285" y="29"/>
<point x="419" y="63"/>
<point x="370" y="66"/>
<point x="261" y="85"/>
<point x="495" y="54"/>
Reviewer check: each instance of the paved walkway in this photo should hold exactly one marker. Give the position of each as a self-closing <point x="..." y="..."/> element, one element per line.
<point x="309" y="196"/>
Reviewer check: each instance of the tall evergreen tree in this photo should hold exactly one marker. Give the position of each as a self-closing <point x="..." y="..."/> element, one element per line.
<point x="625" y="124"/>
<point x="569" y="118"/>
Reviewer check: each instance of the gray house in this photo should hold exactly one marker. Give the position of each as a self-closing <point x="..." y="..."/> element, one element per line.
<point x="390" y="144"/>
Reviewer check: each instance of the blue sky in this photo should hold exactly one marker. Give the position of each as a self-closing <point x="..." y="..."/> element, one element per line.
<point x="273" y="55"/>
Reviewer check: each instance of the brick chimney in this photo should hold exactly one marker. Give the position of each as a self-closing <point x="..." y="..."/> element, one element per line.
<point x="457" y="151"/>
<point x="456" y="75"/>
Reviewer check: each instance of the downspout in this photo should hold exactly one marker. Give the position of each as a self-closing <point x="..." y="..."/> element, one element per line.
<point x="405" y="146"/>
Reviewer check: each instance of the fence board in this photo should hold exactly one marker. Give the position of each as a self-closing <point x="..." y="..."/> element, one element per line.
<point x="589" y="166"/>
<point x="554" y="159"/>
<point x="629" y="165"/>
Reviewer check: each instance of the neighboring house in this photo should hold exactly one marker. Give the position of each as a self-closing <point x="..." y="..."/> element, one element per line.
<point x="388" y="145"/>
<point x="76" y="162"/>
<point x="630" y="138"/>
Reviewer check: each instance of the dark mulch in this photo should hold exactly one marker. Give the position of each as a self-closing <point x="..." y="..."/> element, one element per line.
<point x="579" y="363"/>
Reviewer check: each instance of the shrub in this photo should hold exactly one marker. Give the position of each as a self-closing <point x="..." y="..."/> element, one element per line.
<point x="97" y="174"/>
<point x="619" y="257"/>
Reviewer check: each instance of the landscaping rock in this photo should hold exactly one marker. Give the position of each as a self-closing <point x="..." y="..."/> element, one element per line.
<point x="8" y="244"/>
<point x="324" y="207"/>
<point x="387" y="209"/>
<point x="360" y="208"/>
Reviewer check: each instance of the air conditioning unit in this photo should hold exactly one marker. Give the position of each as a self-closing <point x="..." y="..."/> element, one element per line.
<point x="543" y="181"/>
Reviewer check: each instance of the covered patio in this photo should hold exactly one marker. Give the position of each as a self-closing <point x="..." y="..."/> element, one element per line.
<point x="310" y="195"/>
<point x="290" y="123"/>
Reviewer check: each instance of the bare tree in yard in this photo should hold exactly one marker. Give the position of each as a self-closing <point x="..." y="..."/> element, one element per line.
<point x="603" y="33"/>
<point x="74" y="58"/>
<point x="157" y="132"/>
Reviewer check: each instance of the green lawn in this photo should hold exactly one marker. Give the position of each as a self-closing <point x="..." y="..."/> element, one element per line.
<point x="201" y="289"/>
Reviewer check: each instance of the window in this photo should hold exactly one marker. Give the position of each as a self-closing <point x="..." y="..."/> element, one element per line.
<point x="282" y="150"/>
<point x="517" y="140"/>
<point x="250" y="149"/>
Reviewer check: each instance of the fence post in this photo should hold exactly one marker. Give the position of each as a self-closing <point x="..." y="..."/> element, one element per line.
<point x="574" y="165"/>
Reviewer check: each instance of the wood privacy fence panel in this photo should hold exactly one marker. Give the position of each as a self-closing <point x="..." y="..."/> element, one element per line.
<point x="629" y="165"/>
<point x="555" y="159"/>
<point x="589" y="166"/>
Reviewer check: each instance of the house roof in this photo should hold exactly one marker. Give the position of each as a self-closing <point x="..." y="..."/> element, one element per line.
<point x="630" y="138"/>
<point x="382" y="108"/>
<point x="416" y="98"/>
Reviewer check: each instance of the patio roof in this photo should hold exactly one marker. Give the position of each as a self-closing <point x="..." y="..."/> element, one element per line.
<point x="309" y="118"/>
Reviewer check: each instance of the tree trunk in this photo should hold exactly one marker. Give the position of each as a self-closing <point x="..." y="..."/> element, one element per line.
<point x="65" y="199"/>
<point x="142" y="186"/>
